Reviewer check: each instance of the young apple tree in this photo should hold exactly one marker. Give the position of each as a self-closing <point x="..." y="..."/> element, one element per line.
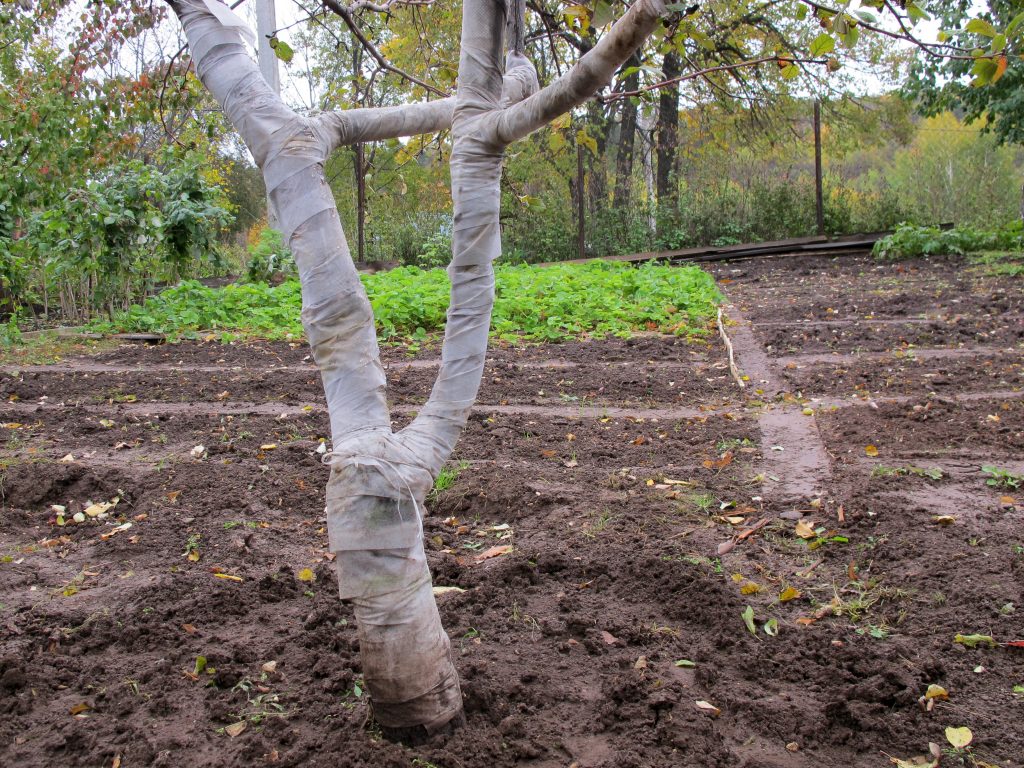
<point x="379" y="478"/>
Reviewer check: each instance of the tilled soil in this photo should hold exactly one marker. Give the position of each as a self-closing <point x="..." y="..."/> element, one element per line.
<point x="648" y="499"/>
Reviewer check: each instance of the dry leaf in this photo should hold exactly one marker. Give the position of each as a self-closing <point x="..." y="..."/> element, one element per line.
<point x="227" y="576"/>
<point x="189" y="628"/>
<point x="269" y="667"/>
<point x="871" y="450"/>
<point x="707" y="706"/>
<point x="172" y="496"/>
<point x="80" y="708"/>
<point x="117" y="762"/>
<point x="235" y="729"/>
<point x="609" y="638"/>
<point x="936" y="692"/>
<point x="641" y="663"/>
<point x="943" y="519"/>
<point x="724" y="461"/>
<point x="438" y="591"/>
<point x="804" y="531"/>
<point x="487" y="554"/>
<point x="268" y="447"/>
<point x="67" y="459"/>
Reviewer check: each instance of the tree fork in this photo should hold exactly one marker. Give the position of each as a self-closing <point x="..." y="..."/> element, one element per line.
<point x="379" y="479"/>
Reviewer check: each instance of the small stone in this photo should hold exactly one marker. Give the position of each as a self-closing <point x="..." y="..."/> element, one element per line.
<point x="793" y="746"/>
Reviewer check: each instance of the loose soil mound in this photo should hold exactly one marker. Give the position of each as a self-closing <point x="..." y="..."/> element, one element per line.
<point x="648" y="500"/>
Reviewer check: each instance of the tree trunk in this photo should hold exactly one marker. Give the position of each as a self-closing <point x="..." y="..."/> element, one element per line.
<point x="668" y="134"/>
<point x="379" y="478"/>
<point x="627" y="139"/>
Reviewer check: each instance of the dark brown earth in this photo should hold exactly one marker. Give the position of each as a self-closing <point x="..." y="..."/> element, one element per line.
<point x="623" y="473"/>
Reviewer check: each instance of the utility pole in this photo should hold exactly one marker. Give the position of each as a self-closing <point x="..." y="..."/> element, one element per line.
<point x="266" y="28"/>
<point x="818" y="192"/>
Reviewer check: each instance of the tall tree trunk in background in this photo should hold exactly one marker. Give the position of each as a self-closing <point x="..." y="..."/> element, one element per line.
<point x="597" y="177"/>
<point x="627" y="139"/>
<point x="668" y="135"/>
<point x="379" y="478"/>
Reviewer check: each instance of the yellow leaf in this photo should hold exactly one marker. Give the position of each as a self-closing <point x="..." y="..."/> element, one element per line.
<point x="194" y="556"/>
<point x="750" y="588"/>
<point x="268" y="447"/>
<point x="789" y="593"/>
<point x="936" y="692"/>
<point x="227" y="576"/>
<point x="871" y="450"/>
<point x="80" y="708"/>
<point x="804" y="531"/>
<point x="306" y="574"/>
<point x="959" y="737"/>
<point x="943" y="519"/>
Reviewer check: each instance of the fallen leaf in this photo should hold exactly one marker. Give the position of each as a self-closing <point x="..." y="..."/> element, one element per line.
<point x="936" y="692"/>
<point x="771" y="627"/>
<point x="1015" y="644"/>
<point x="804" y="531"/>
<point x="1008" y="501"/>
<point x="943" y="519"/>
<point x="114" y="531"/>
<point x="724" y="461"/>
<point x="189" y="628"/>
<point x="268" y="447"/>
<point x="80" y="708"/>
<point x="789" y="593"/>
<point x="726" y="547"/>
<point x="306" y="574"/>
<point x="641" y="663"/>
<point x="117" y="762"/>
<point x="871" y="450"/>
<point x="235" y="729"/>
<point x="487" y="554"/>
<point x="748" y="619"/>
<point x="609" y="638"/>
<point x="920" y="761"/>
<point x="686" y="663"/>
<point x="959" y="737"/>
<point x="198" y="451"/>
<point x="670" y="481"/>
<point x="67" y="459"/>
<point x="707" y="706"/>
<point x="227" y="576"/>
<point x="438" y="591"/>
<point x="172" y="496"/>
<point x="750" y="588"/>
<point x="269" y="667"/>
<point x="805" y="621"/>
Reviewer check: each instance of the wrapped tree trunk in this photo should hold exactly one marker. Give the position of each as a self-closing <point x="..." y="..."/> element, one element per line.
<point x="379" y="478"/>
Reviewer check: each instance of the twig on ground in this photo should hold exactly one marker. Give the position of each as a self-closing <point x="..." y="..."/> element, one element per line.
<point x="732" y="356"/>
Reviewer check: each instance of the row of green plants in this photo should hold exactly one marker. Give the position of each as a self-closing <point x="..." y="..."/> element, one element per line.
<point x="531" y="303"/>
<point x="910" y="241"/>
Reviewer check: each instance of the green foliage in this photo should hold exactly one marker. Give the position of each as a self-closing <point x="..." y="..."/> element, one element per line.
<point x="549" y="304"/>
<point x="269" y="257"/>
<point x="104" y="245"/>
<point x="909" y="241"/>
<point x="1003" y="478"/>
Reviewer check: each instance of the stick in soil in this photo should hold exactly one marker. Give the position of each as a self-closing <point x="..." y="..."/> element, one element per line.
<point x="728" y="346"/>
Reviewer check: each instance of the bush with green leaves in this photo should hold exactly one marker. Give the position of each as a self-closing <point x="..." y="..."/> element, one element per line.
<point x="106" y="244"/>
<point x="910" y="241"/>
<point x="532" y="303"/>
<point x="269" y="257"/>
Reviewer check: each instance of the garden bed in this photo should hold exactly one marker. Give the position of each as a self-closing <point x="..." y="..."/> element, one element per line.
<point x="649" y="502"/>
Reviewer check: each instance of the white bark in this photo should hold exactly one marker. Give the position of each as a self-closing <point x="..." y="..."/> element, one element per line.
<point x="379" y="479"/>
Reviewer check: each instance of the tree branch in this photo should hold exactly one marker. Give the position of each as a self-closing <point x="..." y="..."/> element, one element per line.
<point x="346" y="16"/>
<point x="352" y="126"/>
<point x="592" y="72"/>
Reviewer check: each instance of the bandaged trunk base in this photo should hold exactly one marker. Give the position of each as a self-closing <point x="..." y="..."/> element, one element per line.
<point x="374" y="501"/>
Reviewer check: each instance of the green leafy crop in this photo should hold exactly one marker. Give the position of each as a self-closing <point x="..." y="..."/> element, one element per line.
<point x="539" y="304"/>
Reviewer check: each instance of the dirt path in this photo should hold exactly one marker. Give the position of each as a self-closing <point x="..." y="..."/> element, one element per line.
<point x="647" y="506"/>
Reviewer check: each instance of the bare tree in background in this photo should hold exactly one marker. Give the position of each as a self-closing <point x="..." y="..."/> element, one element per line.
<point x="379" y="478"/>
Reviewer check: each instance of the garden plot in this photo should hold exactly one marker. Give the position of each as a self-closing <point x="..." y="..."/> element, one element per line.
<point x="652" y="566"/>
